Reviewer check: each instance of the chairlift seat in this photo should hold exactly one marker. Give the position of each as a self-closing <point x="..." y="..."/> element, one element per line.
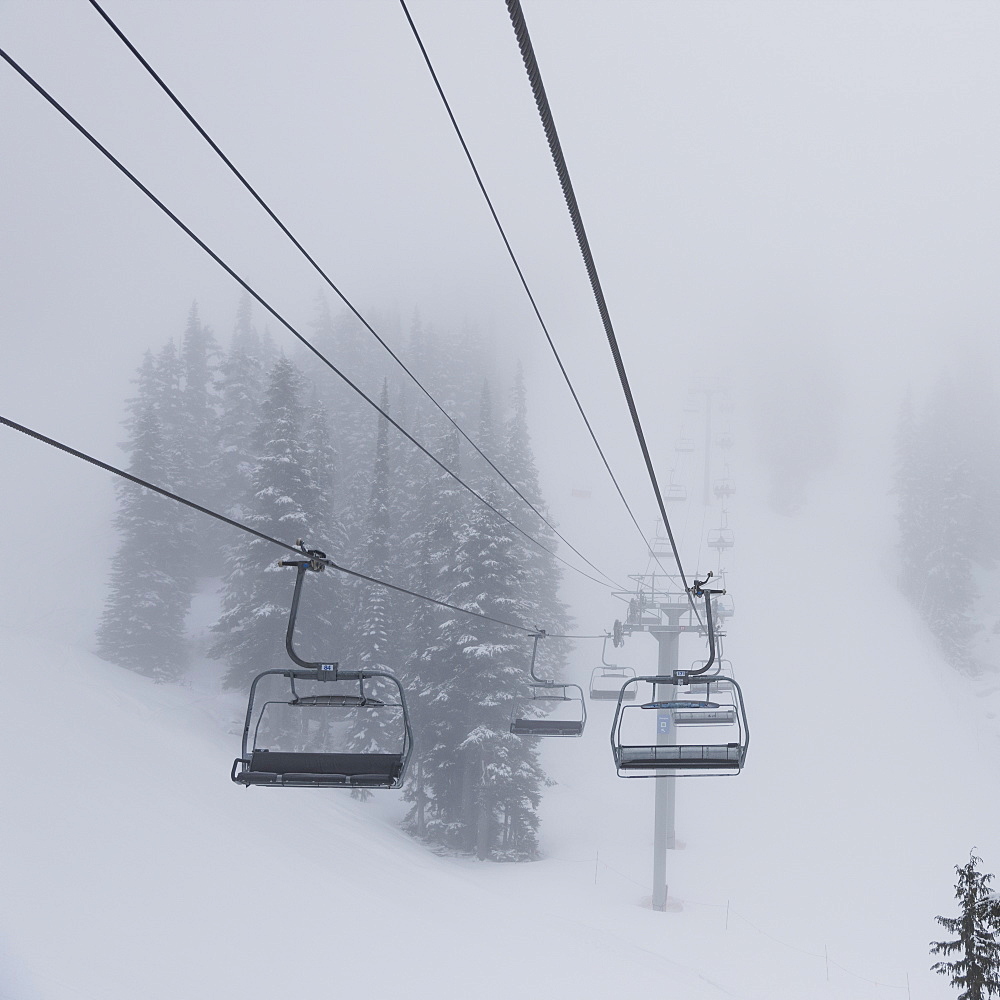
<point x="615" y="678"/>
<point x="674" y="705"/>
<point x="336" y="700"/>
<point x="268" y="767"/>
<point x="609" y="694"/>
<point x="706" y="717"/>
<point x="688" y="758"/>
<point x="546" y="727"/>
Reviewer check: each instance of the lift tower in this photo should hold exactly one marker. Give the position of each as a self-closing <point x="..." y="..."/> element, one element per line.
<point x="660" y="606"/>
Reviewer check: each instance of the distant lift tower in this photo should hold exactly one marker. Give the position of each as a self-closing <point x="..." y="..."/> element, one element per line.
<point x="710" y="388"/>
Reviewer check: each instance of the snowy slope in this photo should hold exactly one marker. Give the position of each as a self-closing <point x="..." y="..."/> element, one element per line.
<point x="132" y="867"/>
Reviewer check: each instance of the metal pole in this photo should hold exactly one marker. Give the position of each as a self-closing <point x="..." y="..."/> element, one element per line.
<point x="664" y="809"/>
<point x="708" y="444"/>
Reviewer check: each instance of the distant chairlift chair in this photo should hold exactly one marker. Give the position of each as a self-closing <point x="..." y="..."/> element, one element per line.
<point x="664" y="756"/>
<point x="564" y="700"/>
<point x="675" y="492"/>
<point x="716" y="679"/>
<point x="308" y="769"/>
<point x="724" y="488"/>
<point x="606" y="681"/>
<point x="722" y="537"/>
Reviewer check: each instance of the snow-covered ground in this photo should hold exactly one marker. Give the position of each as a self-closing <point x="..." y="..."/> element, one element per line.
<point x="132" y="867"/>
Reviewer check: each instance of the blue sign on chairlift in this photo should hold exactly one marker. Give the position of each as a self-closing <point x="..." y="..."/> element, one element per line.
<point x="662" y="723"/>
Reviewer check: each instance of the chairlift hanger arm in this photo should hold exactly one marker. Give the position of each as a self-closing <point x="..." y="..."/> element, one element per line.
<point x="540" y="634"/>
<point x="604" y="652"/>
<point x="699" y="590"/>
<point x="314" y="563"/>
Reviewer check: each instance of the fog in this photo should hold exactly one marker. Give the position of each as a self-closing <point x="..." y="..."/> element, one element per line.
<point x="799" y="200"/>
<point x="768" y="187"/>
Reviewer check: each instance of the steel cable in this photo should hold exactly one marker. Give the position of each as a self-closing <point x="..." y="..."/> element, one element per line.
<point x="329" y="281"/>
<point x="281" y="319"/>
<point x="176" y="497"/>
<point x="562" y="170"/>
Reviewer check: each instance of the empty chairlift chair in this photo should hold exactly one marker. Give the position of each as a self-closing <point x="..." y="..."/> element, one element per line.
<point x="718" y="675"/>
<point x="722" y="537"/>
<point x="307" y="724"/>
<point x="712" y="681"/>
<point x="670" y="733"/>
<point x="724" y="488"/>
<point x="716" y="689"/>
<point x="675" y="492"/>
<point x="606" y="681"/>
<point x="551" y="709"/>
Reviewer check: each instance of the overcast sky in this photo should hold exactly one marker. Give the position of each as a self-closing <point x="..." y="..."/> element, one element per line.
<point x="781" y="192"/>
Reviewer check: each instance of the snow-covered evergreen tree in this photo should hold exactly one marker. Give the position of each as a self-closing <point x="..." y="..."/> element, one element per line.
<point x="976" y="969"/>
<point x="487" y="781"/>
<point x="428" y="664"/>
<point x="350" y="485"/>
<point x="240" y="388"/>
<point x="543" y="572"/>
<point x="168" y="400"/>
<point x="198" y="431"/>
<point x="256" y="591"/>
<point x="325" y="529"/>
<point x="374" y="642"/>
<point x="142" y="626"/>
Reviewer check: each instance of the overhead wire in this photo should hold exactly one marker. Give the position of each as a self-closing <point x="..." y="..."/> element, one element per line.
<point x="330" y="283"/>
<point x="281" y="319"/>
<point x="521" y="276"/>
<point x="233" y="522"/>
<point x="562" y="170"/>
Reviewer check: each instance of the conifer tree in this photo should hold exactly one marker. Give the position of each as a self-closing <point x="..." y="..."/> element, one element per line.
<point x="976" y="970"/>
<point x="325" y="529"/>
<point x="256" y="591"/>
<point x="428" y="663"/>
<point x="199" y="433"/>
<point x="168" y="400"/>
<point x="240" y="387"/>
<point x="373" y="635"/>
<point x="543" y="574"/>
<point x="142" y="626"/>
<point x="199" y="354"/>
<point x="488" y="775"/>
